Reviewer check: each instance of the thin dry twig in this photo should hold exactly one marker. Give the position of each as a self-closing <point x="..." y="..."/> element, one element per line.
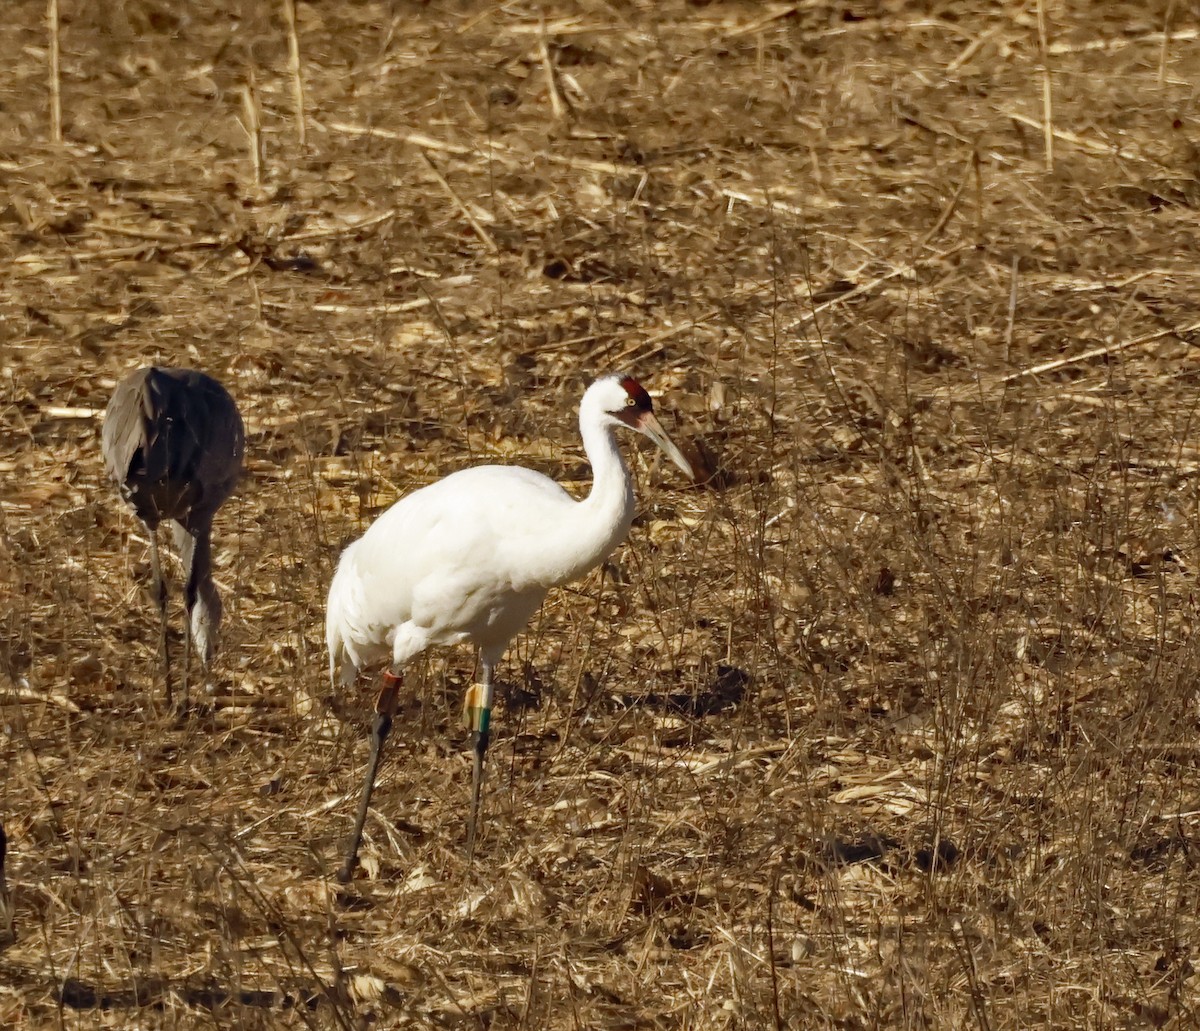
<point x="494" y="147"/>
<point x="24" y="693"/>
<point x="342" y="230"/>
<point x="900" y="270"/>
<point x="773" y="14"/>
<point x="973" y="47"/>
<point x="1100" y="352"/>
<point x="252" y="124"/>
<point x="1168" y="18"/>
<point x="556" y="101"/>
<point x="948" y="211"/>
<point x="646" y="348"/>
<point x="1110" y="44"/>
<point x="977" y="164"/>
<point x="462" y="206"/>
<point x="759" y="201"/>
<point x="174" y="240"/>
<point x="1091" y="146"/>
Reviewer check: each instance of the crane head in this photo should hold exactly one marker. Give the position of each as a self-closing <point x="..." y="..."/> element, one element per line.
<point x="631" y="406"/>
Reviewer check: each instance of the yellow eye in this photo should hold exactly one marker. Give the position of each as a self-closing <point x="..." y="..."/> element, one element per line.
<point x="629" y="402"/>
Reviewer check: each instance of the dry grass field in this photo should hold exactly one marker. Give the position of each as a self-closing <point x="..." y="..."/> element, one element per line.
<point x="891" y="723"/>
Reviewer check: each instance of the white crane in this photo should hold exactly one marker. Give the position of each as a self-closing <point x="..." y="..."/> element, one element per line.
<point x="173" y="443"/>
<point x="470" y="558"/>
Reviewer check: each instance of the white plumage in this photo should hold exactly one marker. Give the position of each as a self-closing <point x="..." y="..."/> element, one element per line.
<point x="471" y="557"/>
<point x="455" y="561"/>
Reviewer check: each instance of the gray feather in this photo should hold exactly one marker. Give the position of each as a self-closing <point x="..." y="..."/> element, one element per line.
<point x="173" y="443"/>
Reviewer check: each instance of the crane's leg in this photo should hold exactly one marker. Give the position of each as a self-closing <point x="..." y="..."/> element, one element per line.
<point x="6" y="919"/>
<point x="385" y="709"/>
<point x="185" y="543"/>
<point x="160" y="596"/>
<point x="477" y="711"/>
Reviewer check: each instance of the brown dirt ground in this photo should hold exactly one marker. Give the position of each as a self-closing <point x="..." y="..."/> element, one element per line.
<point x="893" y="724"/>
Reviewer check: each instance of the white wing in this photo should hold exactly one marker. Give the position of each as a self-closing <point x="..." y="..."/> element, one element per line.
<point x="449" y="561"/>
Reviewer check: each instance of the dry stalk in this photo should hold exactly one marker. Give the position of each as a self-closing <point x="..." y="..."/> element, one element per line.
<point x="1012" y="308"/>
<point x="643" y="350"/>
<point x="775" y="13"/>
<point x="1062" y="134"/>
<point x="972" y="48"/>
<point x="1123" y="42"/>
<point x="972" y="165"/>
<point x="462" y="206"/>
<point x="771" y="893"/>
<point x="1047" y="96"/>
<point x="767" y="202"/>
<point x="252" y="124"/>
<point x="52" y="25"/>
<point x="557" y="105"/>
<point x="977" y="164"/>
<point x="342" y="230"/>
<point x="289" y="17"/>
<point x="495" y="148"/>
<point x="1166" y="42"/>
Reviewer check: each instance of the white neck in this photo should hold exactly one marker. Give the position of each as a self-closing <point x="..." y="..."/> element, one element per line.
<point x="596" y="525"/>
<point x="606" y="514"/>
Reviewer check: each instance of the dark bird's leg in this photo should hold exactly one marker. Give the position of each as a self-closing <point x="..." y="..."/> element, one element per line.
<point x="6" y="921"/>
<point x="477" y="711"/>
<point x="185" y="544"/>
<point x="385" y="709"/>
<point x="160" y="596"/>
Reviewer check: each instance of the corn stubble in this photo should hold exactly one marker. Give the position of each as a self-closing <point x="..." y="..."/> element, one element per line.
<point x="892" y="724"/>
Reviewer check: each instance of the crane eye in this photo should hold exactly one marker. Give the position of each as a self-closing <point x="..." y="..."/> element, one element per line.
<point x="629" y="402"/>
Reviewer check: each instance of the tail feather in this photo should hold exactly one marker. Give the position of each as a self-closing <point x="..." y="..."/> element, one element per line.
<point x="342" y="665"/>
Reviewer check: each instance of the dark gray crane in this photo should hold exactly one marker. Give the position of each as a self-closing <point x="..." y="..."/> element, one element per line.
<point x="173" y="443"/>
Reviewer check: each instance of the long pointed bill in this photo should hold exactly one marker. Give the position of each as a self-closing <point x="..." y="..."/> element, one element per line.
<point x="649" y="425"/>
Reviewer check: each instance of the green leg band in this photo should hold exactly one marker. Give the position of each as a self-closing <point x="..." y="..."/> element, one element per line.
<point x="476" y="714"/>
